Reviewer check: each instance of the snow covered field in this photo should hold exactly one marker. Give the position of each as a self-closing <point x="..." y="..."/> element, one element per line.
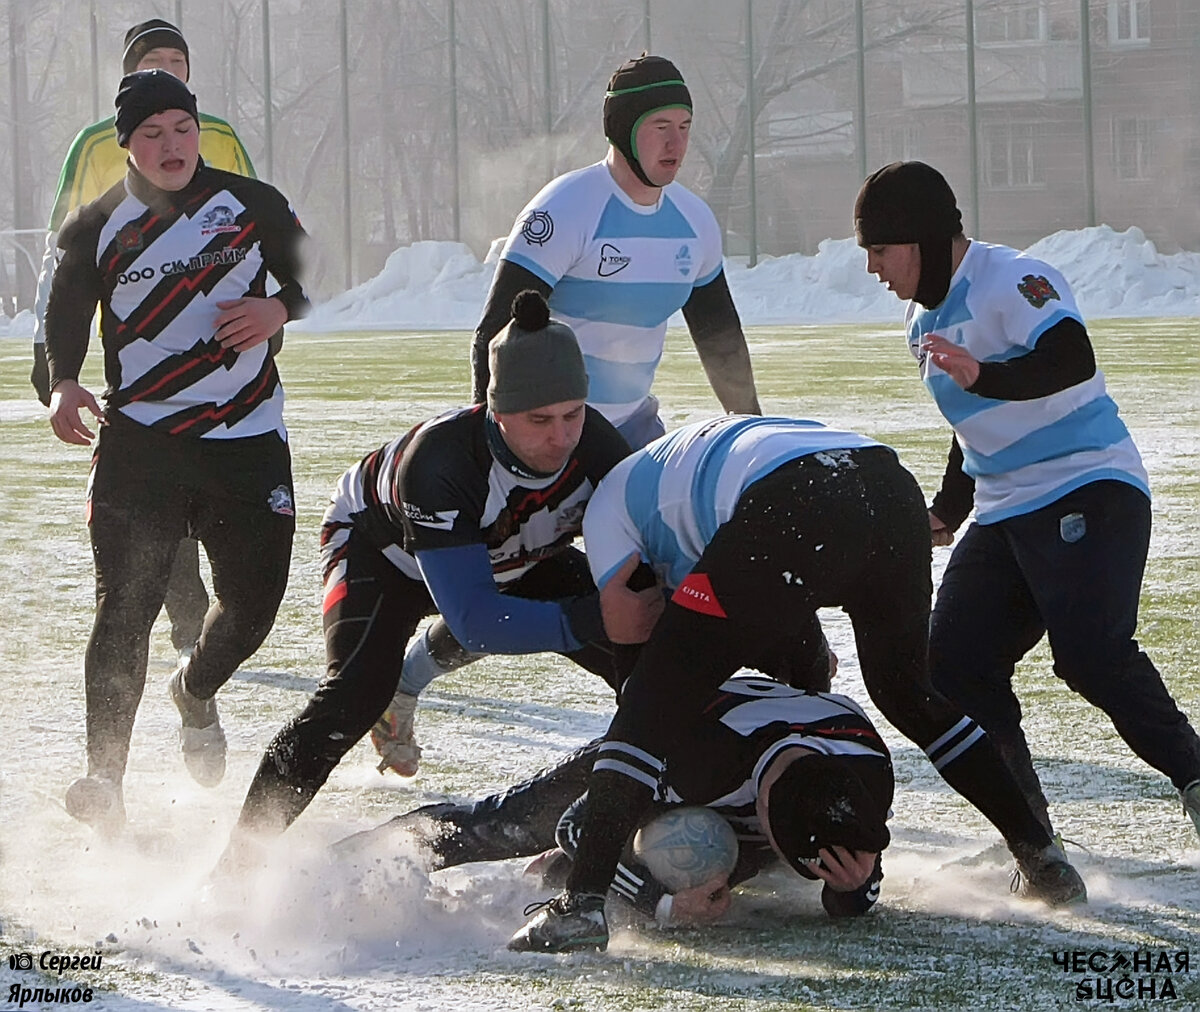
<point x="315" y="936"/>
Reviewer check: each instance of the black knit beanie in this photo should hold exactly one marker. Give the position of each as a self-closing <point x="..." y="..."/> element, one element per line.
<point x="638" y="88"/>
<point x="534" y="361"/>
<point x="908" y="202"/>
<point x="152" y="34"/>
<point x="147" y="92"/>
<point x="824" y="801"/>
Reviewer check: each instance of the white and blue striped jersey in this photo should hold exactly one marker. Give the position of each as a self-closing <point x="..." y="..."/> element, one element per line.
<point x="618" y="271"/>
<point x="1022" y="454"/>
<point x="667" y="500"/>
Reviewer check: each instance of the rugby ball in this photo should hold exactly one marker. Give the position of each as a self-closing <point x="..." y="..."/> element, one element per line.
<point x="686" y="846"/>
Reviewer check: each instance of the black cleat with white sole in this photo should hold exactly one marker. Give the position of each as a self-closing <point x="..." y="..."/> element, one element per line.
<point x="569" y="922"/>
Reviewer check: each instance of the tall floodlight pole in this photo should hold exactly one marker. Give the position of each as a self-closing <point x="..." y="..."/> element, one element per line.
<point x="347" y="226"/>
<point x="179" y="14"/>
<point x="454" y="168"/>
<point x="646" y="25"/>
<point x="1089" y="147"/>
<point x="93" y="30"/>
<point x="860" y="132"/>
<point x="972" y="120"/>
<point x="547" y="58"/>
<point x="14" y="91"/>
<point x="268" y="100"/>
<point x="751" y="114"/>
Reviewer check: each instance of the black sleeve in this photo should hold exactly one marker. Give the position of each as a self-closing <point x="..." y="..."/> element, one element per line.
<point x="717" y="333"/>
<point x="956" y="497"/>
<point x="282" y="243"/>
<point x="440" y="488"/>
<point x="509" y="280"/>
<point x="39" y="376"/>
<point x="853" y="904"/>
<point x="77" y="287"/>
<point x="1062" y="358"/>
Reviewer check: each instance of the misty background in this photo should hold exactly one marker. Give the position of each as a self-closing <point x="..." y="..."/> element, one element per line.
<point x="387" y="122"/>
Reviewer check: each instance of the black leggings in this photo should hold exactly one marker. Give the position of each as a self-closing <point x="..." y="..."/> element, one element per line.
<point x="147" y="492"/>
<point x="809" y="535"/>
<point x="367" y="628"/>
<point x="844" y="528"/>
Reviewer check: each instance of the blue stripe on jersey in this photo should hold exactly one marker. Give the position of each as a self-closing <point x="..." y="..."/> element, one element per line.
<point x="618" y="382"/>
<point x="1056" y="493"/>
<point x="642" y="505"/>
<point x="512" y="256"/>
<point x="618" y="221"/>
<point x="1092" y="426"/>
<point x="955" y="404"/>
<point x="646" y="304"/>
<point x="1043" y="326"/>
<point x="952" y="310"/>
<point x="712" y="464"/>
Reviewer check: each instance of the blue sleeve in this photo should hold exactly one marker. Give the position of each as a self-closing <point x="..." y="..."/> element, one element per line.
<point x="482" y="619"/>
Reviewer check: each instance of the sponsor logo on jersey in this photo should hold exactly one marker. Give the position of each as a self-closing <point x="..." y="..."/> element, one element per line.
<point x="683" y="260"/>
<point x="279" y="500"/>
<point x="219" y="219"/>
<point x="1037" y="290"/>
<point x="438" y="520"/>
<point x="537" y="228"/>
<point x="696" y="594"/>
<point x="130" y="239"/>
<point x="129" y="277"/>
<point x="221" y="257"/>
<point x="570" y="518"/>
<point x="612" y="260"/>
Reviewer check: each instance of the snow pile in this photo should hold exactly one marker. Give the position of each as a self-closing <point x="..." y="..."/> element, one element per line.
<point x="831" y="287"/>
<point x="20" y="325"/>
<point x="426" y="286"/>
<point x="442" y="286"/>
<point x="1122" y="273"/>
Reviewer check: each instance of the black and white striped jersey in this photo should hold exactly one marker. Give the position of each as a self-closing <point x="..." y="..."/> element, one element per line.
<point x="750" y="721"/>
<point x="158" y="263"/>
<point x="442" y="485"/>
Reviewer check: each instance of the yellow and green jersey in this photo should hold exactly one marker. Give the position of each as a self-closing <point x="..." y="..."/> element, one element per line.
<point x="96" y="161"/>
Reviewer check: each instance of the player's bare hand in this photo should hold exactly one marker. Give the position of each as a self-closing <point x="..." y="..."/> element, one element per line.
<point x="939" y="533"/>
<point x="629" y="615"/>
<point x="701" y="904"/>
<point x="247" y="322"/>
<point x="953" y="359"/>
<point x="843" y="869"/>
<point x="65" y="404"/>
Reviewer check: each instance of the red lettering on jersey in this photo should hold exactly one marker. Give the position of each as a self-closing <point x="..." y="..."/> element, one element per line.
<point x="696" y="594"/>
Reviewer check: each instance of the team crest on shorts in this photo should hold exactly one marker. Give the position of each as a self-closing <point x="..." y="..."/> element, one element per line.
<point x="279" y="500"/>
<point x="130" y="238"/>
<point x="1037" y="290"/>
<point x="537" y="228"/>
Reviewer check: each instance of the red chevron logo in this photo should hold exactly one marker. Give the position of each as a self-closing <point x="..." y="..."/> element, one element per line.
<point x="696" y="594"/>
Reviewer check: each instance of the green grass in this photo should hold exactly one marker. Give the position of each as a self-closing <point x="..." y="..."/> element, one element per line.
<point x="940" y="939"/>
